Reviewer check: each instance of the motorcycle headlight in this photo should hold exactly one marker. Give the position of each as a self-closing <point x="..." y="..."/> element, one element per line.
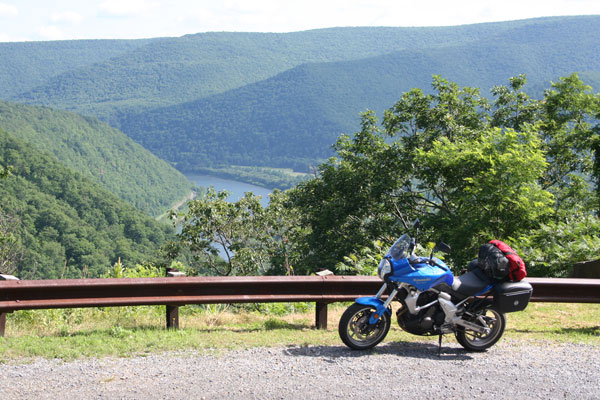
<point x="384" y="268"/>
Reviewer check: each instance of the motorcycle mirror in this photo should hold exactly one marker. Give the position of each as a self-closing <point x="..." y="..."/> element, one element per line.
<point x="443" y="247"/>
<point x="417" y="223"/>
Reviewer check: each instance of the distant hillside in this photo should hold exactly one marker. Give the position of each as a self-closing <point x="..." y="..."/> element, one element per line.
<point x="99" y="152"/>
<point x="174" y="70"/>
<point x="280" y="100"/>
<point x="26" y="65"/>
<point x="67" y="225"/>
<point x="293" y="118"/>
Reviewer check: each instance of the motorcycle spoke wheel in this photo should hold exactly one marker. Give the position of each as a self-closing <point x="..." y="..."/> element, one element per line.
<point x="355" y="330"/>
<point x="480" y="341"/>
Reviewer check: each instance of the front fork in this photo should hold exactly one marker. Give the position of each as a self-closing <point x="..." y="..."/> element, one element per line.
<point x="380" y="306"/>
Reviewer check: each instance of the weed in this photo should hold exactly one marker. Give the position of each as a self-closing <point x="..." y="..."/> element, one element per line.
<point x="134" y="331"/>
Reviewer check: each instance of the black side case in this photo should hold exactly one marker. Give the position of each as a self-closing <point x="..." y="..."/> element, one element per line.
<point x="512" y="296"/>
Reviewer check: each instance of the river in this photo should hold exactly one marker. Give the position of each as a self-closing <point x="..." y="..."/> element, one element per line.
<point x="235" y="188"/>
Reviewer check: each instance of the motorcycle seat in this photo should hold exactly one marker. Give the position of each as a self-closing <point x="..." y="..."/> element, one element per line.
<point x="470" y="283"/>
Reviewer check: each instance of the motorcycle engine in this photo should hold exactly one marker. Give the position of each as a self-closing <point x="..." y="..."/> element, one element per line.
<point x="424" y="322"/>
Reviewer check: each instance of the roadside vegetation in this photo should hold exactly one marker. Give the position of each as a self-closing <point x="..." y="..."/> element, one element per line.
<point x="128" y="331"/>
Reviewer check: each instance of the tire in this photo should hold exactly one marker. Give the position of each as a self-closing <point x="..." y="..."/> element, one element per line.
<point x="474" y="341"/>
<point x="355" y="331"/>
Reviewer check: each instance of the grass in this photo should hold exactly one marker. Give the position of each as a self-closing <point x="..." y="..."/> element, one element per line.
<point x="579" y="323"/>
<point x="129" y="331"/>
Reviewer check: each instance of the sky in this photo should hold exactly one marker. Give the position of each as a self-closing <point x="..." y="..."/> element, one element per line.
<point x="37" y="20"/>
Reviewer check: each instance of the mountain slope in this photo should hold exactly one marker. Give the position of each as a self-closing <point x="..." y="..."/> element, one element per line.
<point x="26" y="65"/>
<point x="174" y="70"/>
<point x="292" y="119"/>
<point x="67" y="225"/>
<point x="99" y="152"/>
<point x="282" y="99"/>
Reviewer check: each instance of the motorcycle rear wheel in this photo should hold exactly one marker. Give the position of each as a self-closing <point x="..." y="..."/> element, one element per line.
<point x="476" y="341"/>
<point x="355" y="330"/>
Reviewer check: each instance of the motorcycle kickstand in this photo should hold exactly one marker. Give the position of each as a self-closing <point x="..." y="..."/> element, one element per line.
<point x="440" y="346"/>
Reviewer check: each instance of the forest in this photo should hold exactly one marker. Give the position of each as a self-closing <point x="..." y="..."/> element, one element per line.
<point x="346" y="122"/>
<point x="292" y="119"/>
<point x="515" y="168"/>
<point x="56" y="223"/>
<point x="99" y="152"/>
<point x="212" y="100"/>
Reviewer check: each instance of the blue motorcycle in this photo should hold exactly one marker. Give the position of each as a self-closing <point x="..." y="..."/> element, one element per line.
<point x="432" y="301"/>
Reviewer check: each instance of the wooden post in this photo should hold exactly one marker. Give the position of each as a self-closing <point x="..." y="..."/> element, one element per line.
<point x="2" y="323"/>
<point x="321" y="315"/>
<point x="173" y="311"/>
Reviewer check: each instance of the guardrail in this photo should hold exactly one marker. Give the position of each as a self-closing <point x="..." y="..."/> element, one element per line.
<point x="177" y="291"/>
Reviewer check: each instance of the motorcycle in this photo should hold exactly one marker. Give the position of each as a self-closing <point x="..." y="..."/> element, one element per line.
<point x="432" y="301"/>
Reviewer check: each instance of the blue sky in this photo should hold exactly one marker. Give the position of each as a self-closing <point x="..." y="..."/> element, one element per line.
<point x="22" y="20"/>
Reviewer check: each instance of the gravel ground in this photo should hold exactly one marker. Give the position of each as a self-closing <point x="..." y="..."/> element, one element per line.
<point x="510" y="370"/>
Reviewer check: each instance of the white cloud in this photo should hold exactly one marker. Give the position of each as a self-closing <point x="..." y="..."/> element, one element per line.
<point x="152" y="18"/>
<point x="8" y="10"/>
<point x="10" y="38"/>
<point x="51" y="32"/>
<point x="126" y="8"/>
<point x="66" y="17"/>
<point x="291" y="15"/>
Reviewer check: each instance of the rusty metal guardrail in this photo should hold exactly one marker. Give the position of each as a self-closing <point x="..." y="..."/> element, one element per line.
<point x="178" y="291"/>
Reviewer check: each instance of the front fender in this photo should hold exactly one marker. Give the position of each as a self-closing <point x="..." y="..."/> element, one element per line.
<point x="377" y="304"/>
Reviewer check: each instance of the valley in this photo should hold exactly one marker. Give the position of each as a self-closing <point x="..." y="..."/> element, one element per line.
<point x="103" y="137"/>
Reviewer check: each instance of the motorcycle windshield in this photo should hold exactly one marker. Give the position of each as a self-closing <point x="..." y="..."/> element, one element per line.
<point x="401" y="248"/>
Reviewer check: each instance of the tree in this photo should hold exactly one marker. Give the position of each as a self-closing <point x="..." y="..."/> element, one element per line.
<point x="553" y="248"/>
<point x="568" y="122"/>
<point x="472" y="190"/>
<point x="11" y="250"/>
<point x="239" y="238"/>
<point x="469" y="169"/>
<point x="5" y="171"/>
<point x="515" y="169"/>
<point x="350" y="201"/>
<point x="571" y="128"/>
<point x="568" y="118"/>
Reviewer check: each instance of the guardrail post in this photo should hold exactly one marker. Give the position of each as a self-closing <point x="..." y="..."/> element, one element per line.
<point x="5" y="277"/>
<point x="172" y="317"/>
<point x="321" y="307"/>
<point x="321" y="315"/>
<point x="173" y="311"/>
<point x="2" y="323"/>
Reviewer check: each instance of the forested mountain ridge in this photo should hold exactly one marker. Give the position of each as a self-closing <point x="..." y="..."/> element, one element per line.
<point x="26" y="65"/>
<point x="174" y="70"/>
<point x="66" y="225"/>
<point x="169" y="71"/>
<point x="99" y="152"/>
<point x="292" y="119"/>
<point x="281" y="99"/>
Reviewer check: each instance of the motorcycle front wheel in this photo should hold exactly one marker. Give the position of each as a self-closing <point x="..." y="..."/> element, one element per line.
<point x="480" y="341"/>
<point x="355" y="330"/>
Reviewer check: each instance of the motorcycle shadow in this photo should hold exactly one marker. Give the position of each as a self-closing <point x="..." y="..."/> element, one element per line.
<point x="400" y="349"/>
<point x="584" y="331"/>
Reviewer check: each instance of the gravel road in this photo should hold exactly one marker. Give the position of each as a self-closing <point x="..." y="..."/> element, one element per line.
<point x="510" y="370"/>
